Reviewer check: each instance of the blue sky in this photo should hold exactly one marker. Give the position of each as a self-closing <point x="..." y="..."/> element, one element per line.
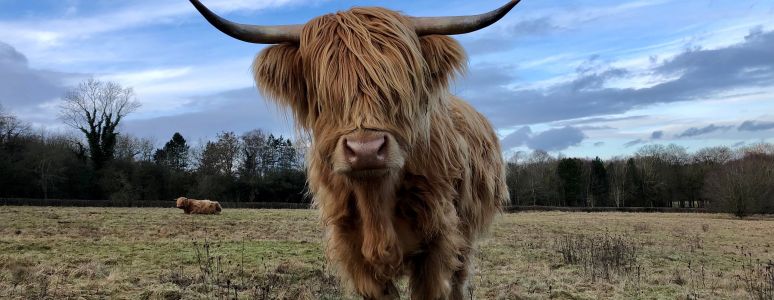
<point x="582" y="78"/>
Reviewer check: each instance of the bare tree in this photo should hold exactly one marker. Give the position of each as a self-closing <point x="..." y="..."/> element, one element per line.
<point x="744" y="186"/>
<point x="133" y="148"/>
<point x="542" y="178"/>
<point x="301" y="144"/>
<point x="96" y="108"/>
<point x="253" y="146"/>
<point x="618" y="170"/>
<point x="757" y="149"/>
<point x="146" y="150"/>
<point x="220" y="157"/>
<point x="713" y="155"/>
<point x="47" y="159"/>
<point x="513" y="176"/>
<point x="11" y="127"/>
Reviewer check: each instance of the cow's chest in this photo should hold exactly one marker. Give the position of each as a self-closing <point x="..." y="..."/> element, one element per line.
<point x="406" y="232"/>
<point x="406" y="222"/>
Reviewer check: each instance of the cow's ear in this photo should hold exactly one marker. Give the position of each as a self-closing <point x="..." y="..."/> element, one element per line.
<point x="278" y="72"/>
<point x="445" y="58"/>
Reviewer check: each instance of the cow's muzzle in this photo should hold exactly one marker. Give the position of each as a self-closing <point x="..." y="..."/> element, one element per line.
<point x="367" y="153"/>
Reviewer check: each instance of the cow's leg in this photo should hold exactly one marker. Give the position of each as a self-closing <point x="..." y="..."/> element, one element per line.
<point x="433" y="271"/>
<point x="430" y="278"/>
<point x="345" y="247"/>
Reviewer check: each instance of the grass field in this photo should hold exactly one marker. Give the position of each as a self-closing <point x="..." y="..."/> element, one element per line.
<point x="131" y="253"/>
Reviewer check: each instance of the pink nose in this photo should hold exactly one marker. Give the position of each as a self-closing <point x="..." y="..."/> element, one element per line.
<point x="366" y="152"/>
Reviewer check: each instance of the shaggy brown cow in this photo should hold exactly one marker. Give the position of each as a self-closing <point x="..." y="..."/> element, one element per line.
<point x="201" y="207"/>
<point x="406" y="175"/>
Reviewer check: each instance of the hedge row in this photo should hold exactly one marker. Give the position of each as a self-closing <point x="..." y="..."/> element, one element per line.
<point x="607" y="209"/>
<point x="141" y="203"/>
<point x="280" y="205"/>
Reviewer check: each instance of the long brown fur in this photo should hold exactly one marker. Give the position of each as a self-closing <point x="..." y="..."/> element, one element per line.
<point x="202" y="207"/>
<point x="366" y="68"/>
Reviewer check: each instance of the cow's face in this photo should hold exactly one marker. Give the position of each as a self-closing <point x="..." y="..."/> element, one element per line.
<point x="181" y="202"/>
<point x="364" y="85"/>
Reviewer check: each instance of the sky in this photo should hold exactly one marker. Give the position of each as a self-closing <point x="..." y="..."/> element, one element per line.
<point x="580" y="78"/>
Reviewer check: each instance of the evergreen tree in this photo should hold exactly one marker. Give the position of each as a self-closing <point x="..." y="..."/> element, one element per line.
<point x="570" y="173"/>
<point x="600" y="185"/>
<point x="174" y="155"/>
<point x="634" y="186"/>
<point x="288" y="156"/>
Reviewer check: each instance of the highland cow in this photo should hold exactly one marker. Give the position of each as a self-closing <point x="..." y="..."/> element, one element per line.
<point x="406" y="176"/>
<point x="200" y="207"/>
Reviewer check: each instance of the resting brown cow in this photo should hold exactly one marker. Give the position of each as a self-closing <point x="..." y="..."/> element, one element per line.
<point x="406" y="175"/>
<point x="202" y="207"/>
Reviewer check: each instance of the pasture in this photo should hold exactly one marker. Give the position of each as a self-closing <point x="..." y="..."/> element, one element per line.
<point x="153" y="253"/>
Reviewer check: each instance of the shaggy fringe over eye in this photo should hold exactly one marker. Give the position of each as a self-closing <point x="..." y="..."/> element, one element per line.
<point x="278" y="73"/>
<point x="365" y="69"/>
<point x="445" y="58"/>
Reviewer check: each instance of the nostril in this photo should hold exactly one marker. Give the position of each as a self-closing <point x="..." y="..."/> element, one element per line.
<point x="383" y="148"/>
<point x="348" y="151"/>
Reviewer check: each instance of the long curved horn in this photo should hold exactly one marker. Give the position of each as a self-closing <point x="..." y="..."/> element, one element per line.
<point x="460" y="24"/>
<point x="251" y="33"/>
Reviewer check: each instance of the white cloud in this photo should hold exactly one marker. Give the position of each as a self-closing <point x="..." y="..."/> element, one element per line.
<point x="37" y="36"/>
<point x="169" y="90"/>
<point x="147" y="76"/>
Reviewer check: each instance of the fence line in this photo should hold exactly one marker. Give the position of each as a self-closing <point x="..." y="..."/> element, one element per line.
<point x="514" y="208"/>
<point x="284" y="205"/>
<point x="140" y="203"/>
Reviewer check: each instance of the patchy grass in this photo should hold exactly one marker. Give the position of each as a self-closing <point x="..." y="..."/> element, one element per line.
<point x="151" y="253"/>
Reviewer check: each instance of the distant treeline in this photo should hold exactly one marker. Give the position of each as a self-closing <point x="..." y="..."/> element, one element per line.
<point x="259" y="167"/>
<point x="720" y="179"/>
<point x="282" y="205"/>
<point x="141" y="203"/>
<point x="253" y="167"/>
<point x="102" y="163"/>
<point x="514" y="209"/>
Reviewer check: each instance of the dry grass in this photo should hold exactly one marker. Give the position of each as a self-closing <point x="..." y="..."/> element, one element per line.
<point x="130" y="253"/>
